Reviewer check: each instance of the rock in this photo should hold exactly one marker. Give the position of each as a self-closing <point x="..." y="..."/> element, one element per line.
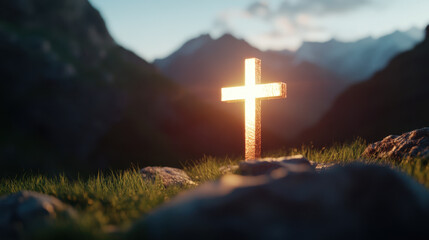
<point x="354" y="201"/>
<point x="297" y="163"/>
<point x="228" y="169"/>
<point x="410" y="144"/>
<point x="321" y="166"/>
<point x="24" y="211"/>
<point x="169" y="176"/>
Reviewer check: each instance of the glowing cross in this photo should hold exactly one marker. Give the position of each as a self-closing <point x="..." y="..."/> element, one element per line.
<point x="252" y="92"/>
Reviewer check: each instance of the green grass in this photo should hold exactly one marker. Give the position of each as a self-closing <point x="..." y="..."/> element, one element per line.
<point x="338" y="153"/>
<point x="108" y="198"/>
<point x="114" y="200"/>
<point x="207" y="168"/>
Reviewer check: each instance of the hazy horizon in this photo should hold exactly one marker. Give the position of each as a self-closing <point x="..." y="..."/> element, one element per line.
<point x="154" y="29"/>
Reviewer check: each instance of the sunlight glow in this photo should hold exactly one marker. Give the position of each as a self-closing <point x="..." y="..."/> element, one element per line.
<point x="252" y="93"/>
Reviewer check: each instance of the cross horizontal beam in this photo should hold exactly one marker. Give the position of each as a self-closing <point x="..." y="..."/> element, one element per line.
<point x="252" y="93"/>
<point x="262" y="91"/>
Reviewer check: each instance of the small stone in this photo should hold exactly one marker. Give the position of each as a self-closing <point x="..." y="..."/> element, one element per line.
<point x="322" y="166"/>
<point x="410" y="144"/>
<point x="228" y="169"/>
<point x="169" y="176"/>
<point x="296" y="163"/>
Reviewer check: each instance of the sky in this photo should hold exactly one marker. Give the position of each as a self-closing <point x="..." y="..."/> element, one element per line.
<point x="155" y="28"/>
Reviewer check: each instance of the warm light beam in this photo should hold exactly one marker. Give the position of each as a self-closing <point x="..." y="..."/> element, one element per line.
<point x="252" y="93"/>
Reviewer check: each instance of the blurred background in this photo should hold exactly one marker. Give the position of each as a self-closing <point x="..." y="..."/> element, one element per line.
<point x="88" y="85"/>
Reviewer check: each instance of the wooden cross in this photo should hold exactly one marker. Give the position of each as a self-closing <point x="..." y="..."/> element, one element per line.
<point x="252" y="93"/>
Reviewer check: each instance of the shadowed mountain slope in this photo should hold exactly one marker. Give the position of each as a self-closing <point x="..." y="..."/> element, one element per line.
<point x="71" y="98"/>
<point x="393" y="101"/>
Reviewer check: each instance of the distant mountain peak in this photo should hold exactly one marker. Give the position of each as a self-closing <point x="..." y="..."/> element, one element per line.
<point x="397" y="34"/>
<point x="194" y="44"/>
<point x="366" y="39"/>
<point x="188" y="48"/>
<point x="69" y="17"/>
<point x="205" y="36"/>
<point x="333" y="40"/>
<point x="227" y="36"/>
<point x="204" y="41"/>
<point x="357" y="60"/>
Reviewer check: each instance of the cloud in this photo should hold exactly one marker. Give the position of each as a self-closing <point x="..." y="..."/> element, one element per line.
<point x="259" y="9"/>
<point x="222" y="21"/>
<point x="319" y="7"/>
<point x="288" y="19"/>
<point x="296" y="8"/>
<point x="298" y="16"/>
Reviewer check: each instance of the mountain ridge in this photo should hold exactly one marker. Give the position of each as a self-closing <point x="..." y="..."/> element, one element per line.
<point x="358" y="60"/>
<point x="393" y="101"/>
<point x="220" y="63"/>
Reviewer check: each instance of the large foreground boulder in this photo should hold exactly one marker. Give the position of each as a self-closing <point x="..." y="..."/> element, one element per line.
<point x="26" y="211"/>
<point x="351" y="202"/>
<point x="410" y="144"/>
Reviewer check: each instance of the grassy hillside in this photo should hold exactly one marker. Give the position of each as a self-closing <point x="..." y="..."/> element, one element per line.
<point x="111" y="201"/>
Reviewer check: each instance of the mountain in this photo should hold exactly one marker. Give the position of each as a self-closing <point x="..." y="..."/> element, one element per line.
<point x="204" y="65"/>
<point x="360" y="59"/>
<point x="393" y="101"/>
<point x="72" y="98"/>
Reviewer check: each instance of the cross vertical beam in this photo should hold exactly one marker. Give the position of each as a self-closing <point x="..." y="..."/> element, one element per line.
<point x="252" y="93"/>
<point x="252" y="110"/>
